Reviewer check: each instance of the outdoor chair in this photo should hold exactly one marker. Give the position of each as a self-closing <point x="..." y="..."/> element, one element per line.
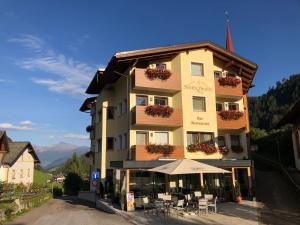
<point x="209" y="197"/>
<point x="159" y="207"/>
<point x="148" y="207"/>
<point x="197" y="194"/>
<point x="202" y="205"/>
<point x="179" y="207"/>
<point x="160" y="195"/>
<point x="213" y="205"/>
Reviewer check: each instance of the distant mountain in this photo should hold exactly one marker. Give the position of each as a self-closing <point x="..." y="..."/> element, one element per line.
<point x="266" y="110"/>
<point x="55" y="155"/>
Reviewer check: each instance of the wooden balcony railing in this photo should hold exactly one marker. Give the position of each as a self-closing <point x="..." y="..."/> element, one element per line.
<point x="231" y="124"/>
<point x="140" y="152"/>
<point x="226" y="90"/>
<point x="141" y="82"/>
<point x="139" y="117"/>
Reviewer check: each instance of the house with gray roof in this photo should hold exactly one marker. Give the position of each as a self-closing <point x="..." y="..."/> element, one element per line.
<point x="17" y="160"/>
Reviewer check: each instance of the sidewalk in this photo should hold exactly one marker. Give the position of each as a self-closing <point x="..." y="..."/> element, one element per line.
<point x="228" y="213"/>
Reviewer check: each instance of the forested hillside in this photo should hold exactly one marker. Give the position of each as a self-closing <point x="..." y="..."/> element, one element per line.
<point x="265" y="111"/>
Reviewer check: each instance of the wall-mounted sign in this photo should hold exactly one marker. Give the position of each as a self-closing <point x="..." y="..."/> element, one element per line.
<point x="199" y="123"/>
<point x="198" y="86"/>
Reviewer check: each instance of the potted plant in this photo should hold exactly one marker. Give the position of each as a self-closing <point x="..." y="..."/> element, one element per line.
<point x="157" y="73"/>
<point x="237" y="192"/>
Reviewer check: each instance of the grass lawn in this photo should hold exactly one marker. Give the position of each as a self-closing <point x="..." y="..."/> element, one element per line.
<point x="41" y="177"/>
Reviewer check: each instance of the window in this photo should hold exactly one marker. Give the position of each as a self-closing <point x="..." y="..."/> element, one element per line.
<point x="235" y="140"/>
<point x="125" y="141"/>
<point x="221" y="141"/>
<point x="99" y="116"/>
<point x="199" y="104"/>
<point x="141" y="138"/>
<point x="200" y="137"/>
<point x="28" y="172"/>
<point x="13" y="174"/>
<point x="99" y="145"/>
<point x="161" y="66"/>
<point x="219" y="107"/>
<point x="141" y="100"/>
<point x="110" y="143"/>
<point x="217" y="74"/>
<point x="110" y="112"/>
<point x="197" y="69"/>
<point x="120" y="142"/>
<point x="233" y="106"/>
<point x="161" y="138"/>
<point x="160" y="100"/>
<point x="124" y="110"/>
<point x="21" y="173"/>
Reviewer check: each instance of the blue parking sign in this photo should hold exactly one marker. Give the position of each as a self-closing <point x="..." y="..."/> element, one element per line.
<point x="95" y="175"/>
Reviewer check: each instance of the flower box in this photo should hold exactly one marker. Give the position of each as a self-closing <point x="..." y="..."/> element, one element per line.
<point x="208" y="149"/>
<point x="230" y="114"/>
<point x="159" y="110"/>
<point x="164" y="149"/>
<point x="229" y="81"/>
<point x="237" y="149"/>
<point x="223" y="150"/>
<point x="162" y="74"/>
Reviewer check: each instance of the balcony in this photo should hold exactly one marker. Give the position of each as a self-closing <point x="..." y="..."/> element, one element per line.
<point x="139" y="117"/>
<point x="139" y="152"/>
<point x="228" y="91"/>
<point x="141" y="82"/>
<point x="231" y="124"/>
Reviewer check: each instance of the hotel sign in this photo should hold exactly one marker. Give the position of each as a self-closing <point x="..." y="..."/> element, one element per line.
<point x="199" y="121"/>
<point x="198" y="86"/>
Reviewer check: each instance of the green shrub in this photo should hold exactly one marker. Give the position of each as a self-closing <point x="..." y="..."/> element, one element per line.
<point x="8" y="212"/>
<point x="57" y="192"/>
<point x="72" y="184"/>
<point x="237" y="190"/>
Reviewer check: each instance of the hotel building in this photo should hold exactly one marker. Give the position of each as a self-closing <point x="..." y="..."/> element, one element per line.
<point x="161" y="104"/>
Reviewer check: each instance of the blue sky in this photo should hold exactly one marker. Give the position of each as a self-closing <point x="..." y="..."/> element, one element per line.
<point x="49" y="51"/>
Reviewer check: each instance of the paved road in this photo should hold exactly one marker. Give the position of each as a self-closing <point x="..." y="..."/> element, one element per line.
<point x="68" y="211"/>
<point x="281" y="204"/>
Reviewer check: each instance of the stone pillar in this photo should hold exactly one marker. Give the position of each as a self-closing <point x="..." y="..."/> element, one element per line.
<point x="233" y="176"/>
<point x="103" y="144"/>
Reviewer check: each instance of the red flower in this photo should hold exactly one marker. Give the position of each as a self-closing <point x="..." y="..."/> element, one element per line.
<point x="229" y="81"/>
<point x="159" y="110"/>
<point x="208" y="149"/>
<point x="231" y="114"/>
<point x="162" y="74"/>
<point x="223" y="150"/>
<point x="164" y="149"/>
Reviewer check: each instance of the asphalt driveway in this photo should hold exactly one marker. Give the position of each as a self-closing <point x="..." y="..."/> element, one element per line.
<point x="68" y="211"/>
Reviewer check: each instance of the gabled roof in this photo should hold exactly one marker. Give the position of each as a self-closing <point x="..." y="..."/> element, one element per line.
<point x="122" y="60"/>
<point x="86" y="105"/>
<point x="292" y="115"/>
<point x="16" y="149"/>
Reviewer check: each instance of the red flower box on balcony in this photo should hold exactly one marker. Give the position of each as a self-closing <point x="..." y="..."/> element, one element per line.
<point x="164" y="149"/>
<point x="229" y="81"/>
<point x="162" y="74"/>
<point x="230" y="114"/>
<point x="208" y="149"/>
<point x="159" y="110"/>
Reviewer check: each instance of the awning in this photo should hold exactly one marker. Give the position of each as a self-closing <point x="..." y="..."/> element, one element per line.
<point x="187" y="166"/>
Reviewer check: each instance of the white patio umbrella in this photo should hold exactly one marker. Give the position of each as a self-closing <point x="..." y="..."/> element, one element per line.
<point x="187" y="166"/>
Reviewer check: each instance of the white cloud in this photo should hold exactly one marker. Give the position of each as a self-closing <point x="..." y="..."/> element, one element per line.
<point x="71" y="77"/>
<point x="29" y="41"/>
<point x="9" y="126"/>
<point x="51" y="136"/>
<point x="76" y="136"/>
<point x="26" y="123"/>
<point x="5" y="81"/>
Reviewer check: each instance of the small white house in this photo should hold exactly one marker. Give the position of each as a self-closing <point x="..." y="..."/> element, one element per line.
<point x="17" y="160"/>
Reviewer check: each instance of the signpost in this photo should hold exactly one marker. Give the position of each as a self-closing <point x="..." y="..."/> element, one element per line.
<point x="95" y="175"/>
